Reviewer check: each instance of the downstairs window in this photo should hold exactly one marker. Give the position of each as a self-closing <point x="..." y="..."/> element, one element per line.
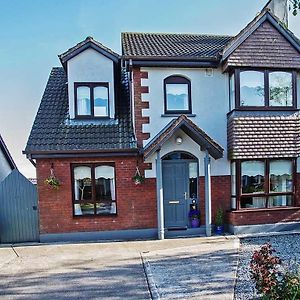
<point x="94" y="189"/>
<point x="262" y="183"/>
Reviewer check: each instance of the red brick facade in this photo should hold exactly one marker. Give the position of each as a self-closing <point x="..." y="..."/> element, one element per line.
<point x="136" y="205"/>
<point x="139" y="105"/>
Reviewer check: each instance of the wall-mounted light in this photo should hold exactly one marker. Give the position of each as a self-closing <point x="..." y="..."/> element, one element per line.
<point x="178" y="140"/>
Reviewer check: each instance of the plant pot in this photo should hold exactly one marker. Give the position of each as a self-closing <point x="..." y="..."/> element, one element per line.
<point x="219" y="229"/>
<point x="195" y="223"/>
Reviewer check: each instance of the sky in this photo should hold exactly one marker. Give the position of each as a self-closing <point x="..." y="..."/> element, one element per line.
<point x="34" y="32"/>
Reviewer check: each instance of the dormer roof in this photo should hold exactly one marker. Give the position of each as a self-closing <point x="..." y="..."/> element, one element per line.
<point x="89" y="42"/>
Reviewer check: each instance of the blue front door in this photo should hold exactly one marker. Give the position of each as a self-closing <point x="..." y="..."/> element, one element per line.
<point x="175" y="193"/>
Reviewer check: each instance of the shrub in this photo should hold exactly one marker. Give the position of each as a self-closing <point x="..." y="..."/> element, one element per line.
<point x="271" y="280"/>
<point x="264" y="269"/>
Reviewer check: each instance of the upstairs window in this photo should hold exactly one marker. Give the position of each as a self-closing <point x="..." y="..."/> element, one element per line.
<point x="177" y="95"/>
<point x="252" y="91"/>
<point x="91" y="100"/>
<point x="263" y="89"/>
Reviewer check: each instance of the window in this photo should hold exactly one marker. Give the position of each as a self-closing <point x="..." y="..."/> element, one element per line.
<point x="91" y="100"/>
<point x="281" y="89"/>
<point x="177" y="95"/>
<point x="94" y="190"/>
<point x="262" y="88"/>
<point x="262" y="183"/>
<point x="252" y="92"/>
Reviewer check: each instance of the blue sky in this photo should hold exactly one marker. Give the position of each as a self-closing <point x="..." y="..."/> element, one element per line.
<point x="34" y="32"/>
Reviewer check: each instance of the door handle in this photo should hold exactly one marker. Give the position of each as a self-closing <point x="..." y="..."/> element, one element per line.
<point x="185" y="195"/>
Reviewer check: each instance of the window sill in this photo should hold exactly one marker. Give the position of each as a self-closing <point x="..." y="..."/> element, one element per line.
<point x="177" y="115"/>
<point x="249" y="210"/>
<point x="95" y="216"/>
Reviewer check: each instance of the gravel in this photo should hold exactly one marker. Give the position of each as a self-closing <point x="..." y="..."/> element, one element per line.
<point x="287" y="247"/>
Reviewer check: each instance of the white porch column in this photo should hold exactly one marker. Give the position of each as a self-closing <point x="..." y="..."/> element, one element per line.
<point x="159" y="197"/>
<point x="207" y="193"/>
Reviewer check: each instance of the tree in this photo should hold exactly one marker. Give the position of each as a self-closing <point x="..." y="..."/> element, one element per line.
<point x="294" y="6"/>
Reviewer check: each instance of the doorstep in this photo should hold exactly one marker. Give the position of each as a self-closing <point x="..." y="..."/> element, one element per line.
<point x="189" y="232"/>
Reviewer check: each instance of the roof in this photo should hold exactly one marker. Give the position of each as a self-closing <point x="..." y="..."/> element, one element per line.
<point x="54" y="131"/>
<point x="89" y="42"/>
<point x="173" y="46"/>
<point x="263" y="135"/>
<point x="6" y="153"/>
<point x="191" y="129"/>
<point x="264" y="15"/>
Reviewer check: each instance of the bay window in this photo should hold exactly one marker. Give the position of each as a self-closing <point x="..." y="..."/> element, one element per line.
<point x="262" y="183"/>
<point x="272" y="89"/>
<point x="94" y="189"/>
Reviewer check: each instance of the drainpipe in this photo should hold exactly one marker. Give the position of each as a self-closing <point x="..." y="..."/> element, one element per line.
<point x="207" y="194"/>
<point x="159" y="197"/>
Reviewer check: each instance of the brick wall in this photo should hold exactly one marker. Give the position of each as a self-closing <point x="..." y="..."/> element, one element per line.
<point x="220" y="194"/>
<point x="136" y="205"/>
<point x="139" y="105"/>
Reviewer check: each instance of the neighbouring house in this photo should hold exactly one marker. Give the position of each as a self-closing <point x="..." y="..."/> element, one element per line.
<point x="197" y="119"/>
<point x="7" y="163"/>
<point x="19" y="204"/>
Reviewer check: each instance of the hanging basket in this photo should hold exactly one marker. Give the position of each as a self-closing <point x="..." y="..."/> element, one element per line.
<point x="138" y="178"/>
<point x="52" y="181"/>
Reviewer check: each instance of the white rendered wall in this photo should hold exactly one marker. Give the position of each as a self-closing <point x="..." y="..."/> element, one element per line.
<point x="210" y="104"/>
<point x="5" y="168"/>
<point x="90" y="66"/>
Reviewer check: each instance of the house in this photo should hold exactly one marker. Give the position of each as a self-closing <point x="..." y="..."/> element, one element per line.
<point x="208" y="120"/>
<point x="7" y="163"/>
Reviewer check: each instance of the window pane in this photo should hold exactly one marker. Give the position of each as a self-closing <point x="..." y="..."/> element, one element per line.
<point x="101" y="101"/>
<point x="253" y="202"/>
<point x="84" y="209"/>
<point x="82" y="183"/>
<point x="253" y="177"/>
<point x="83" y="100"/>
<point x="177" y="96"/>
<point x="231" y="92"/>
<point x="281" y="176"/>
<point x="105" y="189"/>
<point x="252" y="88"/>
<point x="193" y="179"/>
<point x="280" y="89"/>
<point x="282" y="200"/>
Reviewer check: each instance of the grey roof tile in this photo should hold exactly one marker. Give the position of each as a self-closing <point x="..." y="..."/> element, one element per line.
<point x="167" y="45"/>
<point x="54" y="131"/>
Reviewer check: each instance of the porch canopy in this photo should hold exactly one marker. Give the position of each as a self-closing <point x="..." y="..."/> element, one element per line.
<point x="206" y="144"/>
<point x="192" y="130"/>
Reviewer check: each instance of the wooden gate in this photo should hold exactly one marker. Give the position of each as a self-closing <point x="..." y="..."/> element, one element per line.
<point x="18" y="209"/>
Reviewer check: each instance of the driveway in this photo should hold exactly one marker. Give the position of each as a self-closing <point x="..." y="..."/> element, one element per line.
<point x="115" y="270"/>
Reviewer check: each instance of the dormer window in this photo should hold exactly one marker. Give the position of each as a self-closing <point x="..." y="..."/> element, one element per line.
<point x="177" y="95"/>
<point x="272" y="89"/>
<point x="91" y="100"/>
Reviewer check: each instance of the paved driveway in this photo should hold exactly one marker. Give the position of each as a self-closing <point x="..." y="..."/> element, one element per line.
<point x="107" y="270"/>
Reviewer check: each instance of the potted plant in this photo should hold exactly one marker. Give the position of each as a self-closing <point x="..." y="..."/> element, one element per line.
<point x="219" y="221"/>
<point x="194" y="216"/>
<point x="53" y="182"/>
<point x="138" y="179"/>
